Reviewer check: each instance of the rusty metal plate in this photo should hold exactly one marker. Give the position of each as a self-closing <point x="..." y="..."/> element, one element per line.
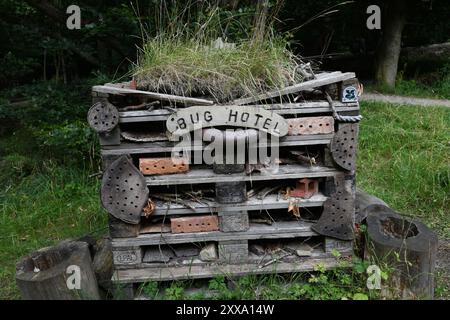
<point x="344" y="145"/>
<point x="336" y="220"/>
<point x="124" y="192"/>
<point x="103" y="116"/>
<point x="310" y="125"/>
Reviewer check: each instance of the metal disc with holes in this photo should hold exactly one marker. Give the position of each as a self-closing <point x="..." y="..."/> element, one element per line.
<point x="103" y="116"/>
<point x="336" y="220"/>
<point x="344" y="145"/>
<point x="124" y="192"/>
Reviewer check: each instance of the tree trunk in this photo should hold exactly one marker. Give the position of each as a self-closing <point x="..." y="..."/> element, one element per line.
<point x="388" y="52"/>
<point x="45" y="274"/>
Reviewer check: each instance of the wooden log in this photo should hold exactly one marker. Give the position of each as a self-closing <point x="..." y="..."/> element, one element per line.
<point x="62" y="272"/>
<point x="408" y="247"/>
<point x="364" y="204"/>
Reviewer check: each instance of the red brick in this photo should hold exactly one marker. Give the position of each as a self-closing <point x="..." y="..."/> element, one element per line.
<point x="305" y="188"/>
<point x="310" y="125"/>
<point x="149" y="166"/>
<point x="194" y="224"/>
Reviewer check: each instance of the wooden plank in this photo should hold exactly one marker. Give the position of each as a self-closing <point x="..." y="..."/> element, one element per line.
<point x="153" y="95"/>
<point x="197" y="176"/>
<point x="269" y="202"/>
<point x="167" y="146"/>
<point x="322" y="81"/>
<point x="278" y="230"/>
<point x="233" y="221"/>
<point x="281" y="109"/>
<point x="208" y="270"/>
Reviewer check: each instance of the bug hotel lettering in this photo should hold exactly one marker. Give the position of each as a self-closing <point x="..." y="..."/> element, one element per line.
<point x="256" y="129"/>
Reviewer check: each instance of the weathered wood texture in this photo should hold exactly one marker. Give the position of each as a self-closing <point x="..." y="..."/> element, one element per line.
<point x="120" y="229"/>
<point x="298" y="108"/>
<point x="409" y="247"/>
<point x="196" y="176"/>
<point x="233" y="221"/>
<point x="45" y="274"/>
<point x="153" y="95"/>
<point x="127" y="255"/>
<point x="231" y="192"/>
<point x="208" y="270"/>
<point x="281" y="229"/>
<point x="233" y="252"/>
<point x="207" y="206"/>
<point x="311" y="84"/>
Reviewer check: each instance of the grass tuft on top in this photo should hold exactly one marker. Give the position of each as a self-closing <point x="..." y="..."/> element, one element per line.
<point x="191" y="59"/>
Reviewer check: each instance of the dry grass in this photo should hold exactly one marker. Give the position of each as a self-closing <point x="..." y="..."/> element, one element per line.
<point x="181" y="60"/>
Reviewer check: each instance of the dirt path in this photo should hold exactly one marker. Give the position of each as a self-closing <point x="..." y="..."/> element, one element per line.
<point x="425" y="102"/>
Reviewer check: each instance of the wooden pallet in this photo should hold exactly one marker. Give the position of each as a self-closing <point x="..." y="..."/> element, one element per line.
<point x="134" y="245"/>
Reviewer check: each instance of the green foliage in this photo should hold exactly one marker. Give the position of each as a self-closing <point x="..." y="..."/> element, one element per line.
<point x="150" y="289"/>
<point x="174" y="292"/>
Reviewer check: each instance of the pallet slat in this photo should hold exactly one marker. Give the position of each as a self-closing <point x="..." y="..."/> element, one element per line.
<point x="208" y="270"/>
<point x="281" y="109"/>
<point x="167" y="146"/>
<point x="269" y="202"/>
<point x="197" y="176"/>
<point x="282" y="229"/>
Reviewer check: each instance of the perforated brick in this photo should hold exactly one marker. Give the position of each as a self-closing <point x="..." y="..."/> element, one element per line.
<point x="310" y="125"/>
<point x="305" y="188"/>
<point x="151" y="166"/>
<point x="194" y="224"/>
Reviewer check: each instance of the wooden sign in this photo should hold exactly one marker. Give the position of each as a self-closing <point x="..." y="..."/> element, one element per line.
<point x="189" y="119"/>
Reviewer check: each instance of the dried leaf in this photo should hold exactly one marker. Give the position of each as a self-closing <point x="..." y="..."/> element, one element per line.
<point x="149" y="208"/>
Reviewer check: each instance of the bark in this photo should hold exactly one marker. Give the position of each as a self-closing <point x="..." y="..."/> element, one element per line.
<point x="388" y="52"/>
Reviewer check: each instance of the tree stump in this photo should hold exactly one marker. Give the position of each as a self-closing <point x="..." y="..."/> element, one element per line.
<point x="62" y="272"/>
<point x="409" y="248"/>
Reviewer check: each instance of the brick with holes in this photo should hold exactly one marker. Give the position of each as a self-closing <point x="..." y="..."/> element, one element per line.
<point x="151" y="166"/>
<point x="310" y="125"/>
<point x="305" y="188"/>
<point x="194" y="224"/>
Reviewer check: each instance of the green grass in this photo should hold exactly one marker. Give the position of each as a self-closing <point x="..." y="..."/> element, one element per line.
<point x="437" y="87"/>
<point x="42" y="209"/>
<point x="404" y="158"/>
